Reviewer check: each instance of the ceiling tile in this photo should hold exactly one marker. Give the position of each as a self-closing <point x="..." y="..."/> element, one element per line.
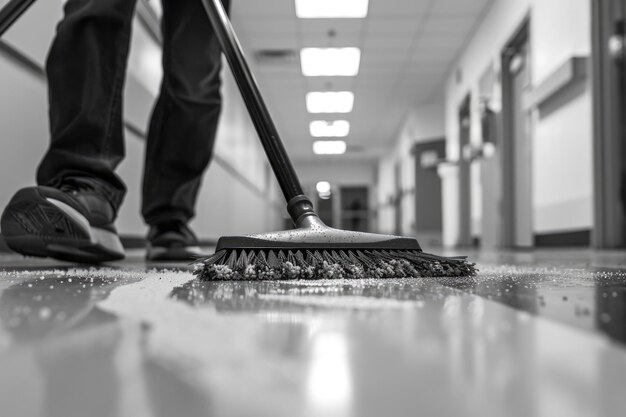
<point x="408" y="48"/>
<point x="399" y="8"/>
<point x="399" y="25"/>
<point x="469" y="8"/>
<point x="256" y="8"/>
<point x="446" y="24"/>
<point x="270" y="41"/>
<point x="271" y="26"/>
<point x="433" y="42"/>
<point x="385" y="42"/>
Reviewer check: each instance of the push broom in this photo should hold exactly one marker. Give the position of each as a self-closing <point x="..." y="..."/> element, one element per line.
<point x="312" y="250"/>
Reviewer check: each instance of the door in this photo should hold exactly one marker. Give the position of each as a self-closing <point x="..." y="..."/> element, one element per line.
<point x="609" y="98"/>
<point x="465" y="199"/>
<point x="517" y="161"/>
<point x="397" y="200"/>
<point x="428" y="206"/>
<point x="491" y="158"/>
<point x="355" y="213"/>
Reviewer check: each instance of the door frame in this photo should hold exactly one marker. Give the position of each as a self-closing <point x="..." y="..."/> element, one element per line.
<point x="609" y="131"/>
<point x="520" y="37"/>
<point x="397" y="199"/>
<point x="465" y="174"/>
<point x="432" y="200"/>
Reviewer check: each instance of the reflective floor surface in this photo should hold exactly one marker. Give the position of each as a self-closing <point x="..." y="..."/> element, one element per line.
<point x="534" y="334"/>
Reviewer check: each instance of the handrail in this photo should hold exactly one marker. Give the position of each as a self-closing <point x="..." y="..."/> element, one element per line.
<point x="11" y="12"/>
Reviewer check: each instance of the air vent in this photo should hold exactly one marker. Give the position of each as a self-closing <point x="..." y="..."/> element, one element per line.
<point x="275" y="56"/>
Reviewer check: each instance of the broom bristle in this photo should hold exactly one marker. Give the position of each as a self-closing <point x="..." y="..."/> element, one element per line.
<point x="328" y="264"/>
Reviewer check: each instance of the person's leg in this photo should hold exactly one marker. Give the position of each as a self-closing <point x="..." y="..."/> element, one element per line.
<point x="182" y="130"/>
<point x="184" y="121"/>
<point x="86" y="69"/>
<point x="71" y="214"/>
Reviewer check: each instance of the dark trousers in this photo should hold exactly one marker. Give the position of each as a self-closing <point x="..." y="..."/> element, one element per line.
<point x="86" y="70"/>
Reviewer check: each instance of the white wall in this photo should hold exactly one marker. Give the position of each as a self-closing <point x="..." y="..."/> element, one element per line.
<point x="561" y="141"/>
<point x="562" y="146"/>
<point x="23" y="100"/>
<point x="423" y="123"/>
<point x="238" y="196"/>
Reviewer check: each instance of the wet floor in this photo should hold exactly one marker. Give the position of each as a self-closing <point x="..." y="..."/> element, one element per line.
<point x="534" y="334"/>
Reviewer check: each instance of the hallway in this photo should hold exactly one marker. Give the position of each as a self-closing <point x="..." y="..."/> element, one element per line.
<point x="474" y="126"/>
<point x="536" y="333"/>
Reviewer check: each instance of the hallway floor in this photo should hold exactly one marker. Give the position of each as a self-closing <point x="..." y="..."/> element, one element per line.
<point x="538" y="333"/>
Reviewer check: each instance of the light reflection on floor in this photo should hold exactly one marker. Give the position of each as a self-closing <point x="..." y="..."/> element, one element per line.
<point x="538" y="334"/>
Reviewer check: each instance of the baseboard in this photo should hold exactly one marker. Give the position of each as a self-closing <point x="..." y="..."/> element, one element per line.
<point x="133" y="242"/>
<point x="129" y="242"/>
<point x="138" y="242"/>
<point x="576" y="238"/>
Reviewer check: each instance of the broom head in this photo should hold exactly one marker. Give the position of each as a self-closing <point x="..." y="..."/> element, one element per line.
<point x="316" y="251"/>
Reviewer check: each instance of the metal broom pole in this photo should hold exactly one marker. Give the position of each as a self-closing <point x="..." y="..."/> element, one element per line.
<point x="10" y="13"/>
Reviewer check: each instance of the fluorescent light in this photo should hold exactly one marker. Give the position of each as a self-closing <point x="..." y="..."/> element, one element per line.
<point x="330" y="102"/>
<point x="330" y="61"/>
<point x="324" y="129"/>
<point x="323" y="190"/>
<point x="323" y="187"/>
<point x="329" y="147"/>
<point x="308" y="9"/>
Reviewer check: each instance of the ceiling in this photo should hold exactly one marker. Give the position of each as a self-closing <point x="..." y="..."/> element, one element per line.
<point x="407" y="49"/>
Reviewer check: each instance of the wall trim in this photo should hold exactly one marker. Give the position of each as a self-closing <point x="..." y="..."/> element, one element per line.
<point x="39" y="72"/>
<point x="575" y="238"/>
<point x="139" y="242"/>
<point x="128" y="241"/>
<point x="21" y="60"/>
<point x="608" y="131"/>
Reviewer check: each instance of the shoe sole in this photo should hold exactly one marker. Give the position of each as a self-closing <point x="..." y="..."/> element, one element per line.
<point x="159" y="253"/>
<point x="39" y="226"/>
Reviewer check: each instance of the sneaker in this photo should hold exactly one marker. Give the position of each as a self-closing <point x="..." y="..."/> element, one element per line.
<point x="71" y="223"/>
<point x="172" y="241"/>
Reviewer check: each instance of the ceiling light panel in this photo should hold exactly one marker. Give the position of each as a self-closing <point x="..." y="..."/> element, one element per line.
<point x="329" y="147"/>
<point x="330" y="62"/>
<point x="330" y="102"/>
<point x="325" y="129"/>
<point x="323" y="187"/>
<point x="324" y="9"/>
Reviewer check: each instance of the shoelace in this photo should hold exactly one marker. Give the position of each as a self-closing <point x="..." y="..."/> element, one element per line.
<point x="73" y="187"/>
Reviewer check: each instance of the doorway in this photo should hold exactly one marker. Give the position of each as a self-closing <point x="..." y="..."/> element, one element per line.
<point x="397" y="200"/>
<point x="428" y="205"/>
<point x="491" y="157"/>
<point x="516" y="143"/>
<point x="355" y="213"/>
<point x="465" y="181"/>
<point x="609" y="107"/>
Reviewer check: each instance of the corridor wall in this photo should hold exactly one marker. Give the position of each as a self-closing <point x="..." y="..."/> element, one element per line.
<point x="561" y="134"/>
<point x="237" y="196"/>
<point x="422" y="123"/>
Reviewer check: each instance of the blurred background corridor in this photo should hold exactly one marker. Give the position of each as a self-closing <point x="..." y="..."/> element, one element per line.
<point x="492" y="128"/>
<point x="465" y="123"/>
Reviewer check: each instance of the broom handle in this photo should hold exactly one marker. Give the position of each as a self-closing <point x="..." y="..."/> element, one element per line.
<point x="298" y="204"/>
<point x="11" y="12"/>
